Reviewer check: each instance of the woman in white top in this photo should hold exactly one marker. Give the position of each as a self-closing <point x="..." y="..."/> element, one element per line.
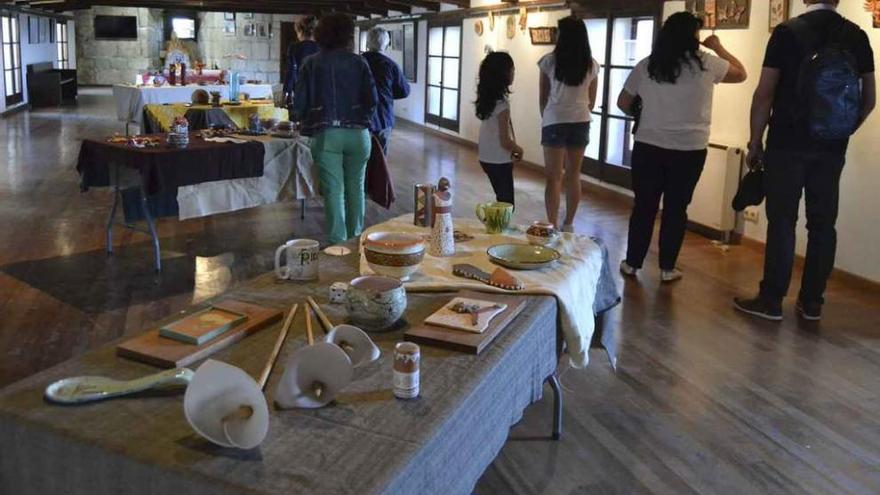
<point x="498" y="148"/>
<point x="567" y="95"/>
<point x="675" y="86"/>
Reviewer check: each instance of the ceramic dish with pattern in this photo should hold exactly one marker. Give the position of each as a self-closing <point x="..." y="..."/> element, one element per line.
<point x="522" y="256"/>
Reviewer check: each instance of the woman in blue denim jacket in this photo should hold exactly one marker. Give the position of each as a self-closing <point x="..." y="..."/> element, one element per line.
<point x="335" y="100"/>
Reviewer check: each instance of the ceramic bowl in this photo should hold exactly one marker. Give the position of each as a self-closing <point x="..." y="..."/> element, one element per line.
<point x="542" y="234"/>
<point x="394" y="254"/>
<point x="375" y="303"/>
<point x="522" y="256"/>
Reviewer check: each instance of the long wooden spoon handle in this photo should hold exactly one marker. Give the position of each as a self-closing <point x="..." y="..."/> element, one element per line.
<point x="325" y="322"/>
<point x="279" y="343"/>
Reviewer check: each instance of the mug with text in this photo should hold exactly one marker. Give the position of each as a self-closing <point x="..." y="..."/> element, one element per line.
<point x="300" y="260"/>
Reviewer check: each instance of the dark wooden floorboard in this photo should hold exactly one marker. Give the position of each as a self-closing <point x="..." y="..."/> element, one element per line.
<point x="704" y="400"/>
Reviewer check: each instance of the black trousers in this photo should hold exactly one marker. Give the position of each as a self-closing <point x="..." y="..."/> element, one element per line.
<point x="670" y="174"/>
<point x="786" y="175"/>
<point x="501" y="177"/>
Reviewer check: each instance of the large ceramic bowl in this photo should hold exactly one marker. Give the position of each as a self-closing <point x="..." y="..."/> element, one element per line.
<point x="522" y="256"/>
<point x="394" y="254"/>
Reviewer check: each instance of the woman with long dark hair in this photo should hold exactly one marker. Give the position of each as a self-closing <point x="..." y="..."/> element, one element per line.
<point x="497" y="146"/>
<point x="567" y="95"/>
<point x="675" y="85"/>
<point x="335" y="100"/>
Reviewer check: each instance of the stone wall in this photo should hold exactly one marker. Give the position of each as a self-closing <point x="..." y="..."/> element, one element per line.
<point x="116" y="61"/>
<point x="119" y="61"/>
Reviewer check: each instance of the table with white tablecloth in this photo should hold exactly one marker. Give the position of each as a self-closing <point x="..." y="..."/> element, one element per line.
<point x="130" y="99"/>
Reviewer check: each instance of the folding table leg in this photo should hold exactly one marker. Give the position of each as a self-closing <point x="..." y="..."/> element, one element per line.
<point x="152" y="227"/>
<point x="557" y="405"/>
<point x="302" y="209"/>
<point x="110" y="219"/>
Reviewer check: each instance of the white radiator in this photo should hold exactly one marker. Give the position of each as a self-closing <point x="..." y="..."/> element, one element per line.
<point x="711" y="203"/>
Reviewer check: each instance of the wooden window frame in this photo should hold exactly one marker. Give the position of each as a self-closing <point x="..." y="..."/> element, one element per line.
<point x="15" y="46"/>
<point x="450" y="124"/>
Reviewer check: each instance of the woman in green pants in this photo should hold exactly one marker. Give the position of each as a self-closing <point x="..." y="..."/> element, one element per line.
<point x="334" y="99"/>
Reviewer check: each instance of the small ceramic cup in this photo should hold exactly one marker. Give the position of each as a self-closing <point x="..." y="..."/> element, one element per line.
<point x="301" y="261"/>
<point x="542" y="234"/>
<point x="375" y="303"/>
<point x="495" y="216"/>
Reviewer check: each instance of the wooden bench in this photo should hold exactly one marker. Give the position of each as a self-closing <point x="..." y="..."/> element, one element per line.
<point x="48" y="86"/>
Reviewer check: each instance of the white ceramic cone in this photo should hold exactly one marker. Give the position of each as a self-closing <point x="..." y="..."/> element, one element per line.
<point x="217" y="391"/>
<point x="355" y="342"/>
<point x="313" y="376"/>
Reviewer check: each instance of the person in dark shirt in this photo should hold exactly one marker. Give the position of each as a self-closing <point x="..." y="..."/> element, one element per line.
<point x="298" y="51"/>
<point x="390" y="84"/>
<point x="795" y="162"/>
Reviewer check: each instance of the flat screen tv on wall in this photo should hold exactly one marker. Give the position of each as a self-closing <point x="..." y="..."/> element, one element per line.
<point x="116" y="27"/>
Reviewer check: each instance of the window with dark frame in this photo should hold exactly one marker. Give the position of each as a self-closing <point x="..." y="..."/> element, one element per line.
<point x="443" y="88"/>
<point x="11" y="42"/>
<point x="62" y="45"/>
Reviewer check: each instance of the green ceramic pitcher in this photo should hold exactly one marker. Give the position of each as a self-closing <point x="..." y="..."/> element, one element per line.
<point x="495" y="216"/>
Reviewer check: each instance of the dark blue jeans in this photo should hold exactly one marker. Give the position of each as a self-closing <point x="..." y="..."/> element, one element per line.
<point x="788" y="174"/>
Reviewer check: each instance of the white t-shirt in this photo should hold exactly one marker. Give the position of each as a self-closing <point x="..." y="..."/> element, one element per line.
<point x="491" y="150"/>
<point x="677" y="116"/>
<point x="566" y="104"/>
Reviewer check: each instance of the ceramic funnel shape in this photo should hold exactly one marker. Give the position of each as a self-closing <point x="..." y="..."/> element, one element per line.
<point x="313" y="376"/>
<point x="355" y="342"/>
<point x="215" y="394"/>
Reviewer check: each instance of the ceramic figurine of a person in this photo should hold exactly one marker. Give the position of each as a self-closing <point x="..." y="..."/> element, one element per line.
<point x="442" y="235"/>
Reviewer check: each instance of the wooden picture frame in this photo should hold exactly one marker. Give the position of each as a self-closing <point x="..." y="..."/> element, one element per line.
<point x="262" y="30"/>
<point x="229" y="28"/>
<point x="44" y="30"/>
<point x="249" y="30"/>
<point x="229" y="16"/>
<point x="543" y="35"/>
<point x="732" y="14"/>
<point x="33" y="30"/>
<point x="778" y="13"/>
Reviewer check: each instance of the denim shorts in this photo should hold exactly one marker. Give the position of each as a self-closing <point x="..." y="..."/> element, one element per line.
<point x="568" y="135"/>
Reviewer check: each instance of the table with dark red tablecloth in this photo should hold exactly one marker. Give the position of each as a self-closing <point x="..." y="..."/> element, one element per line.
<point x="165" y="167"/>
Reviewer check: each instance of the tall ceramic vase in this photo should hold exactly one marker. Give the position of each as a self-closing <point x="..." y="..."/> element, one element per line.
<point x="442" y="235"/>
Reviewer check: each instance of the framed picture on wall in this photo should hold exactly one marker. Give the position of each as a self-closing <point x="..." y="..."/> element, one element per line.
<point x="247" y="15"/>
<point x="397" y="40"/>
<point x="543" y="35"/>
<point x="778" y="13"/>
<point x="732" y="14"/>
<point x="52" y="30"/>
<point x="229" y="16"/>
<point x="44" y="30"/>
<point x="410" y="63"/>
<point x="704" y="9"/>
<point x="33" y="30"/>
<point x="250" y="29"/>
<point x="873" y="7"/>
<point x="262" y="30"/>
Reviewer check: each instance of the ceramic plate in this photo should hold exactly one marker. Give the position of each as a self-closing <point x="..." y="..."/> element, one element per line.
<point x="522" y="256"/>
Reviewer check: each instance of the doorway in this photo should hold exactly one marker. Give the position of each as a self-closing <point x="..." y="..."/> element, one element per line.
<point x="618" y="43"/>
<point x="11" y="58"/>
<point x="287" y="38"/>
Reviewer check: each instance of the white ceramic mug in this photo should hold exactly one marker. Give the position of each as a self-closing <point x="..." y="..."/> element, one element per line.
<point x="301" y="260"/>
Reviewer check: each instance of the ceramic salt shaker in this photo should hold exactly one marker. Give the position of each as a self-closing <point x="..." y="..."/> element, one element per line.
<point x="443" y="233"/>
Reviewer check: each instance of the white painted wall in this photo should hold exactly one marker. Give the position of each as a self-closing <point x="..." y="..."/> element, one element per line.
<point x="859" y="201"/>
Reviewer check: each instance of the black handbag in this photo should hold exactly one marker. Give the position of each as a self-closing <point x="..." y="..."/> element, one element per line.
<point x="750" y="191"/>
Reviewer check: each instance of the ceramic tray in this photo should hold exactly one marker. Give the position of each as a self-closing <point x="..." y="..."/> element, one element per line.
<point x="522" y="256"/>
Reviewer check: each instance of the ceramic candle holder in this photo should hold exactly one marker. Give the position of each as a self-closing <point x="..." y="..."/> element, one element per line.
<point x="542" y="234"/>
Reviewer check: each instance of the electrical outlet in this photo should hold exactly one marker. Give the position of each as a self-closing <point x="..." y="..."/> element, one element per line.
<point x="751" y="215"/>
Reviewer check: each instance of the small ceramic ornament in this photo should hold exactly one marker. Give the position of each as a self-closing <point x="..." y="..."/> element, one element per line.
<point x="226" y="406"/>
<point x="314" y="375"/>
<point x="355" y="342"/>
<point x="337" y="292"/>
<point x="443" y="233"/>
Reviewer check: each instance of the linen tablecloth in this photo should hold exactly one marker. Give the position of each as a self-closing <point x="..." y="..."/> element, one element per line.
<point x="289" y="173"/>
<point x="164" y="168"/>
<point x="158" y="118"/>
<point x="573" y="280"/>
<point x="367" y="442"/>
<point x="130" y="99"/>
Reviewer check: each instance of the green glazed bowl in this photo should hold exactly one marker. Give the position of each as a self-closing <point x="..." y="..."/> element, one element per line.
<point x="522" y="256"/>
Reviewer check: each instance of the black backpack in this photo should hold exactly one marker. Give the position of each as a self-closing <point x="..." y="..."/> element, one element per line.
<point x="828" y="94"/>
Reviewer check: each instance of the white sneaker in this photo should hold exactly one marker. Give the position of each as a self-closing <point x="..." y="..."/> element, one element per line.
<point x="627" y="270"/>
<point x="671" y="275"/>
<point x="569" y="227"/>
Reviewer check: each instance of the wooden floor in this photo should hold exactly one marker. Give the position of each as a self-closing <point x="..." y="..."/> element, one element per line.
<point x="704" y="400"/>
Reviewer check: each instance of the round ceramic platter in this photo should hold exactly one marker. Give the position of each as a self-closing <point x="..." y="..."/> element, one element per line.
<point x="522" y="256"/>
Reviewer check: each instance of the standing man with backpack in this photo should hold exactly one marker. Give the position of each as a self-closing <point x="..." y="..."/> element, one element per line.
<point x="817" y="87"/>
